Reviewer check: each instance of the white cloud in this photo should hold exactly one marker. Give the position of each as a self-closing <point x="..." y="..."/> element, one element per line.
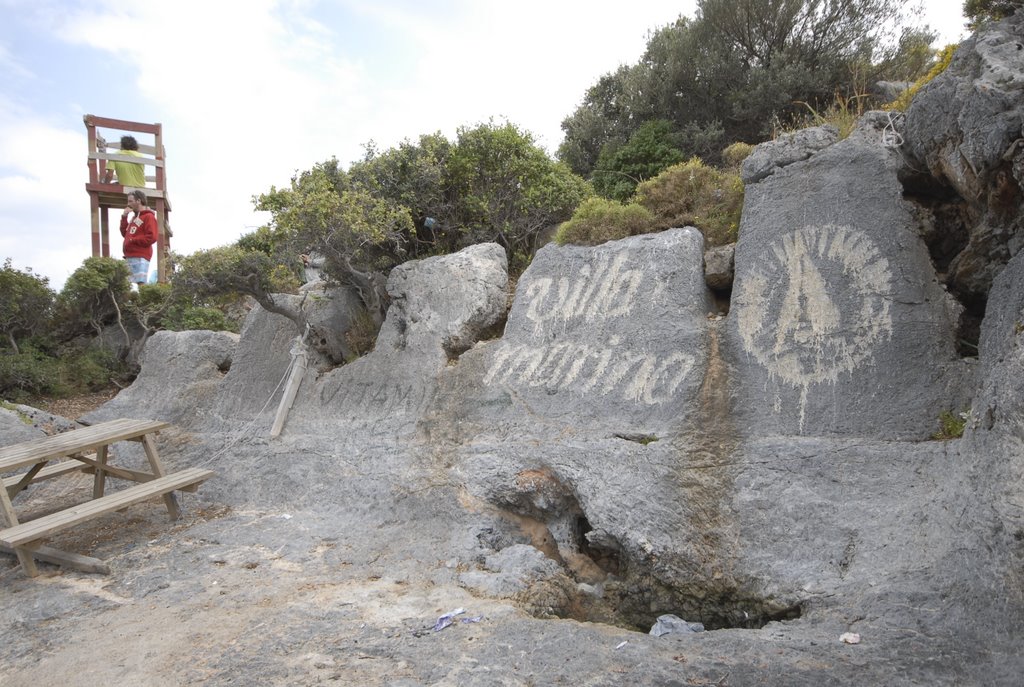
<point x="44" y="210"/>
<point x="249" y="93"/>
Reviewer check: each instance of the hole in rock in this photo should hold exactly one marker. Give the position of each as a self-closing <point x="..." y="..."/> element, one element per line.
<point x="721" y="298"/>
<point x="224" y="366"/>
<point x="607" y="585"/>
<point x="637" y="437"/>
<point x="944" y="219"/>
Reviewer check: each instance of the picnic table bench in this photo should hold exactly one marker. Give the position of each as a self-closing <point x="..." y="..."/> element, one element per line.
<point x="85" y="450"/>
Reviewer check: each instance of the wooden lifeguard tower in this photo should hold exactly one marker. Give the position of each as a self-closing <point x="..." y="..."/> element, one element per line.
<point x="104" y="196"/>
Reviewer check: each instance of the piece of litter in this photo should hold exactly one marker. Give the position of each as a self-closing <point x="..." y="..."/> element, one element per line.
<point x="474" y="619"/>
<point x="286" y="516"/>
<point x="621" y="644"/>
<point x="446" y="619"/>
<point x="849" y="638"/>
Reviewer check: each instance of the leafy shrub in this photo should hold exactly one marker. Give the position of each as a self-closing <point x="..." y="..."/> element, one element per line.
<point x="903" y="102"/>
<point x="692" y="194"/>
<point x="620" y="168"/>
<point x="25" y="303"/>
<point x="183" y="318"/>
<point x="93" y="296"/>
<point x="734" y="155"/>
<point x="28" y="373"/>
<point x="68" y="372"/>
<point x="597" y="220"/>
<point x="90" y="369"/>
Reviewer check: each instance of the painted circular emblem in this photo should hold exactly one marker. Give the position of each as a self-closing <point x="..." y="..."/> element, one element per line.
<point x="815" y="304"/>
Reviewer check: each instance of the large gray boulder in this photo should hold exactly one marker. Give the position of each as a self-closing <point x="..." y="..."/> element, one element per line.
<point x="178" y="381"/>
<point x="767" y="158"/>
<point x="567" y="425"/>
<point x="839" y="325"/>
<point x="964" y="129"/>
<point x="440" y="307"/>
<point x="254" y="385"/>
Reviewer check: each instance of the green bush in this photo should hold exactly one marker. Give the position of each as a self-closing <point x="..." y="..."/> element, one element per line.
<point x="88" y="370"/>
<point x="693" y="194"/>
<point x="68" y="372"/>
<point x="734" y="155"/>
<point x="903" y="102"/>
<point x="29" y="373"/>
<point x="597" y="220"/>
<point x="180" y="319"/>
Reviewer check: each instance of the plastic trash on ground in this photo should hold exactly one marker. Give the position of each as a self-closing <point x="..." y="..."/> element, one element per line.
<point x="447" y="619"/>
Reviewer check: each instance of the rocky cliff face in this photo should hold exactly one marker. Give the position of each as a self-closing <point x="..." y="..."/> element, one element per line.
<point x="613" y="448"/>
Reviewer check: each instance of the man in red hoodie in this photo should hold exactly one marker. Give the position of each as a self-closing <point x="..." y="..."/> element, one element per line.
<point x="140" y="233"/>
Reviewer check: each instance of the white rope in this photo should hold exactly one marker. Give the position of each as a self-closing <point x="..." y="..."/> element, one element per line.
<point x="245" y="429"/>
<point x="890" y="137"/>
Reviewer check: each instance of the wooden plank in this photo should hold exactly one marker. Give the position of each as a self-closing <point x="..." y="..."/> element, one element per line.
<point x="149" y="161"/>
<point x="113" y="194"/>
<point x="170" y="500"/>
<point x="99" y="478"/>
<point x="75" y="441"/>
<point x="47" y="472"/>
<point x="10" y="519"/>
<point x="143" y="148"/>
<point x="90" y="465"/>
<point x="22" y="481"/>
<point x="122" y="124"/>
<point x="20" y="535"/>
<point x="66" y="559"/>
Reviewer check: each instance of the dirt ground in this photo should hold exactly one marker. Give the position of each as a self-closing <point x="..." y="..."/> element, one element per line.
<point x="74" y="407"/>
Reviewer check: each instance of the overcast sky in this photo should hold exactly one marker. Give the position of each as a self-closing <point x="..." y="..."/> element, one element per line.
<point x="251" y="92"/>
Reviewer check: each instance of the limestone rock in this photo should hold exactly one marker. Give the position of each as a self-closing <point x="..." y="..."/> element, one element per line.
<point x="181" y="373"/>
<point x="718" y="266"/>
<point x="788" y="148"/>
<point x="964" y="129"/>
<point x="838" y="323"/>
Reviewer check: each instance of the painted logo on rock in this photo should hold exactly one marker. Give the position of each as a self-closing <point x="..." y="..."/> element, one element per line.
<point x="815" y="305"/>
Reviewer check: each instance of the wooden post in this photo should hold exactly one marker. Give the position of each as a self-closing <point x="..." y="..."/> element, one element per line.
<point x="292" y="388"/>
<point x="105" y="232"/>
<point x="94" y="209"/>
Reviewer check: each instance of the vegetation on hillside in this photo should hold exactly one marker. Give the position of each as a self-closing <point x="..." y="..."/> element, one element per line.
<point x="732" y="74"/>
<point x="645" y="150"/>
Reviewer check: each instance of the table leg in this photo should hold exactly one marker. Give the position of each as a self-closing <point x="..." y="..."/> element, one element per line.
<point x="170" y="499"/>
<point x="10" y="520"/>
<point x="100" y="478"/>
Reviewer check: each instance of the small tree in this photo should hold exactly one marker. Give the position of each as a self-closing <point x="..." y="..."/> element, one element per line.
<point x="649" y="150"/>
<point x="978" y="11"/>
<point x="94" y="296"/>
<point x="359" y="234"/>
<point x="235" y="270"/>
<point x="507" y="189"/>
<point x="26" y="300"/>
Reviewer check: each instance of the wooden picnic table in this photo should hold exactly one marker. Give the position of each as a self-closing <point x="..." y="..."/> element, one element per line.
<point x="83" y="450"/>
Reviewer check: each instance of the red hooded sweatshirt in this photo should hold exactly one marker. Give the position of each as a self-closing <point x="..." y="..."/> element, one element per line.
<point x="139" y="234"/>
